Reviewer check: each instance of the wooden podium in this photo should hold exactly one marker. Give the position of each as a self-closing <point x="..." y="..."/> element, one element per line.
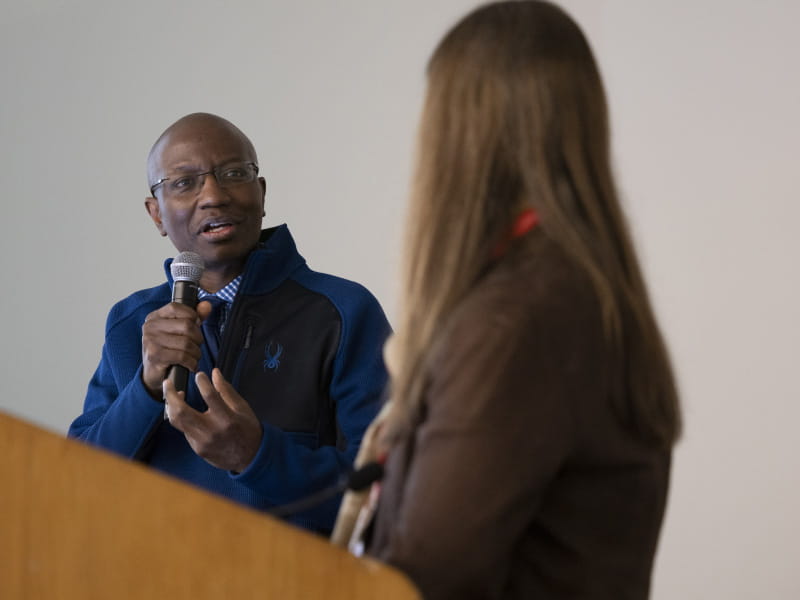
<point x="78" y="522"/>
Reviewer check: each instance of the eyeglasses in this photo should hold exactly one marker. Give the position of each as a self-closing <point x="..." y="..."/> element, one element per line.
<point x="188" y="184"/>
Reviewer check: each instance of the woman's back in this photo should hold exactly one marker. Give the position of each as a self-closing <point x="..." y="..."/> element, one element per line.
<point x="520" y="481"/>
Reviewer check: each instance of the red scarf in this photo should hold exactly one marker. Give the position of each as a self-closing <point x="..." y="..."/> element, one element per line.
<point x="525" y="221"/>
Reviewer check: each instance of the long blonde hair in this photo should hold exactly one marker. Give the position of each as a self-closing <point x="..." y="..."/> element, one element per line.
<point x="516" y="115"/>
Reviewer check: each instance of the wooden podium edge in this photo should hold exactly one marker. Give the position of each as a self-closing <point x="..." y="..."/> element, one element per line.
<point x="80" y="522"/>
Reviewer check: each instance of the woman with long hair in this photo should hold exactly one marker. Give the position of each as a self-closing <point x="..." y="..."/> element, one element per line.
<point x="533" y="407"/>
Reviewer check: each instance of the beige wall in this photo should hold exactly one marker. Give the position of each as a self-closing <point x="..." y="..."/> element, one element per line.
<point x="704" y="98"/>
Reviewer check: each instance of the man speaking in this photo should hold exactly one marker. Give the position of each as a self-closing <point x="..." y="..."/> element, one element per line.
<point x="299" y="351"/>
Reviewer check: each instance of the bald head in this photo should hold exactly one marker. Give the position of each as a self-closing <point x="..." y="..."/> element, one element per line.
<point x="198" y="128"/>
<point x="214" y="202"/>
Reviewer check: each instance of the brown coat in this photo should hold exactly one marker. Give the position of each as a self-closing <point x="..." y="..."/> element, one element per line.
<point x="520" y="482"/>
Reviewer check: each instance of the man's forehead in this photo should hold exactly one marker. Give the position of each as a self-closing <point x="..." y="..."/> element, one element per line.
<point x="199" y="141"/>
<point x="199" y="136"/>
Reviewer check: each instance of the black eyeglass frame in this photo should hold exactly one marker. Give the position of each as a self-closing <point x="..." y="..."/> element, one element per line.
<point x="213" y="171"/>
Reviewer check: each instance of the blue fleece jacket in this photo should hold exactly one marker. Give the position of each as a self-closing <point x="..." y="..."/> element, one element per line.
<point x="303" y="348"/>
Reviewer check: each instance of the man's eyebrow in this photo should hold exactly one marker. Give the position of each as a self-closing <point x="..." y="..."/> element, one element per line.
<point x="194" y="167"/>
<point x="185" y="168"/>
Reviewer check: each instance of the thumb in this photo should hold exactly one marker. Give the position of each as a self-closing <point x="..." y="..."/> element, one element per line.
<point x="204" y="309"/>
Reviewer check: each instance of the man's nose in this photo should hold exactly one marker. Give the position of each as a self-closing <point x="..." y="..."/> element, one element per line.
<point x="211" y="192"/>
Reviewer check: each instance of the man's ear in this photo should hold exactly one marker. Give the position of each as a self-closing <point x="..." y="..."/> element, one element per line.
<point x="263" y="183"/>
<point x="151" y="205"/>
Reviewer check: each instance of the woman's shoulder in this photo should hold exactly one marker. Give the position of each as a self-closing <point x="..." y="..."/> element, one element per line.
<point x="538" y="281"/>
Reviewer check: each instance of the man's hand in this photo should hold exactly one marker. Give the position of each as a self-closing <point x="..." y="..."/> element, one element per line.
<point x="171" y="335"/>
<point x="228" y="434"/>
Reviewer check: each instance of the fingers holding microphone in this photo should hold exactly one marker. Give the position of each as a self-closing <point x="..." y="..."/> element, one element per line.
<point x="171" y="335"/>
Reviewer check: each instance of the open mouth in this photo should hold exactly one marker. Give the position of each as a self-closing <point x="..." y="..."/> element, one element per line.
<point x="212" y="227"/>
<point x="217" y="229"/>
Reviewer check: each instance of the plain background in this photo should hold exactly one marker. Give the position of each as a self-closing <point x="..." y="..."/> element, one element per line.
<point x="704" y="99"/>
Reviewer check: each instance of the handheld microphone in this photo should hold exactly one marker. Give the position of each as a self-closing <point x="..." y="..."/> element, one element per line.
<point x="362" y="478"/>
<point x="186" y="269"/>
<point x="356" y="481"/>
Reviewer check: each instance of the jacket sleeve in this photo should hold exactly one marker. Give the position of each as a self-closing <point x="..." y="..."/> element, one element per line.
<point x="357" y="390"/>
<point x="118" y="413"/>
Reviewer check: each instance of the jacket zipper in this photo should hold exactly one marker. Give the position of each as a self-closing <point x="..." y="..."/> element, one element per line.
<point x="237" y="371"/>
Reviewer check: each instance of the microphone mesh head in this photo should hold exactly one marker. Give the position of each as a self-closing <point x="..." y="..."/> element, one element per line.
<point x="187" y="266"/>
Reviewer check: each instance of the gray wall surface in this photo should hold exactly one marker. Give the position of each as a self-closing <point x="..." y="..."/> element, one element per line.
<point x="704" y="98"/>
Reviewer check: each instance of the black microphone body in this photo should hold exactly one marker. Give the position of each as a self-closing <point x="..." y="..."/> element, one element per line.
<point x="362" y="478"/>
<point x="186" y="269"/>
<point x="357" y="481"/>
